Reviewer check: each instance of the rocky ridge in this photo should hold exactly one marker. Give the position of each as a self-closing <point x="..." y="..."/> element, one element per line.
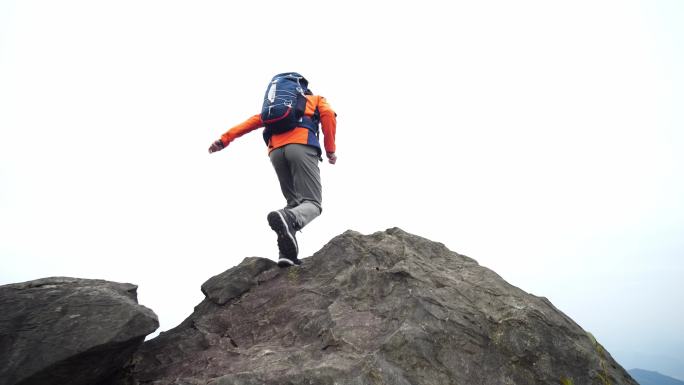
<point x="386" y="308"/>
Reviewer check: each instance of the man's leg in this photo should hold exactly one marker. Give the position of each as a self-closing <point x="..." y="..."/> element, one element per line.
<point x="283" y="222"/>
<point x="282" y="169"/>
<point x="306" y="181"/>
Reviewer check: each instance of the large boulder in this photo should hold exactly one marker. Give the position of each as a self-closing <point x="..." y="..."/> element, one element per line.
<point x="69" y="331"/>
<point x="387" y="308"/>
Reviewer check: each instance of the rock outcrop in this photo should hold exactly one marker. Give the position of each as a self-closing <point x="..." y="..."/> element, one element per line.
<point x="69" y="331"/>
<point x="387" y="308"/>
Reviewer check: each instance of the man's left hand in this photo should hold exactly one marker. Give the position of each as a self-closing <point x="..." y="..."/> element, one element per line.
<point x="216" y="146"/>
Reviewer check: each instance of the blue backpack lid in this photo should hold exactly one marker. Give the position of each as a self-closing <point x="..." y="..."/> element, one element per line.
<point x="294" y="75"/>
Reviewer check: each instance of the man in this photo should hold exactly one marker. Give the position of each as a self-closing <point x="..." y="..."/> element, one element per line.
<point x="295" y="155"/>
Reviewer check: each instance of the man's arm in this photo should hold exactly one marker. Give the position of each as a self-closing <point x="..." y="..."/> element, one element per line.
<point x="248" y="125"/>
<point x="329" y="127"/>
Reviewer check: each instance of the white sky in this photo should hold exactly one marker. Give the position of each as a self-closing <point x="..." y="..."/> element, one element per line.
<point x="544" y="139"/>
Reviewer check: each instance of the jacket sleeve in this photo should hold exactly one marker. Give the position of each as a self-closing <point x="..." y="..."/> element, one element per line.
<point x="248" y="125"/>
<point x="329" y="124"/>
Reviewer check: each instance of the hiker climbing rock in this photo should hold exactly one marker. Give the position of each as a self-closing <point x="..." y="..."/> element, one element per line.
<point x="291" y="115"/>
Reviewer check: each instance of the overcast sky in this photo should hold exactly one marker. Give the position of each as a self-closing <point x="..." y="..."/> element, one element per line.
<point x="543" y="139"/>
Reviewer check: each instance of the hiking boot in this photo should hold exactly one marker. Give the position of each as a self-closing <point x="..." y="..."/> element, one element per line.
<point x="284" y="224"/>
<point x="283" y="261"/>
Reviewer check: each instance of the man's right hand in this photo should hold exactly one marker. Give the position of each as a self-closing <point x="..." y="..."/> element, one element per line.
<point x="332" y="158"/>
<point x="216" y="146"/>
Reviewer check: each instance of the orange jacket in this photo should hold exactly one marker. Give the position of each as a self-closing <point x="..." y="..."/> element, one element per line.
<point x="301" y="135"/>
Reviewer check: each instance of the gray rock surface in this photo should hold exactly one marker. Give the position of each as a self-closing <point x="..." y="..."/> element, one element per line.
<point x="387" y="308"/>
<point x="234" y="282"/>
<point x="69" y="331"/>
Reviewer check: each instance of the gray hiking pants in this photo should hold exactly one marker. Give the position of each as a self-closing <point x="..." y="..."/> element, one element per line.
<point x="300" y="180"/>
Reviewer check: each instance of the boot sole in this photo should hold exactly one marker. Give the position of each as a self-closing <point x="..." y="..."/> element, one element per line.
<point x="286" y="262"/>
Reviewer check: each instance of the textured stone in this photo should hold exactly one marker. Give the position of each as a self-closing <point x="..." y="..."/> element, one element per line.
<point x="234" y="282"/>
<point x="387" y="308"/>
<point x="69" y="331"/>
